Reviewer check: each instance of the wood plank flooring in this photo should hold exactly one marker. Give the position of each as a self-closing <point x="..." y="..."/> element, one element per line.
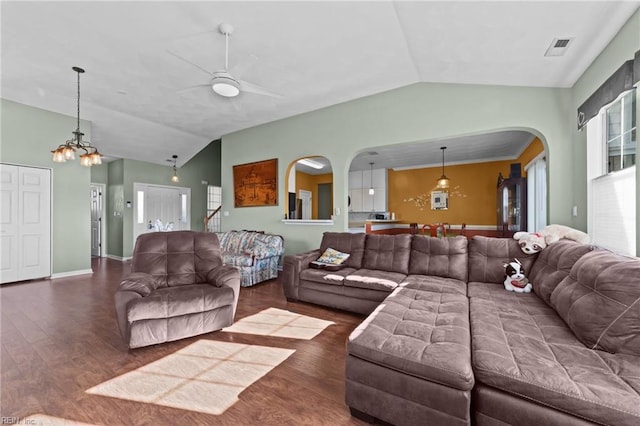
<point x="59" y="337"/>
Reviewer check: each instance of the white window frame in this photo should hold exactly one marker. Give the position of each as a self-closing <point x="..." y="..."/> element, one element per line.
<point x="611" y="196"/>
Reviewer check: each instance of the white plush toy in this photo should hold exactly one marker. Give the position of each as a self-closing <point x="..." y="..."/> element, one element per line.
<point x="533" y="242"/>
<point x="514" y="278"/>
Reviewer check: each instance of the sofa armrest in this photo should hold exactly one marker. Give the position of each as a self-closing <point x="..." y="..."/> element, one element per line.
<point x="226" y="276"/>
<point x="139" y="282"/>
<point x="293" y="265"/>
<point x="263" y="249"/>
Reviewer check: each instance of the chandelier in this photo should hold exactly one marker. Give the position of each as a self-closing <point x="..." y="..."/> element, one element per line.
<point x="67" y="150"/>
<point x="443" y="182"/>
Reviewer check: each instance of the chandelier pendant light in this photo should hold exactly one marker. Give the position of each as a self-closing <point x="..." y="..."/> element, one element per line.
<point x="371" y="190"/>
<point x="174" y="178"/>
<point x="443" y="182"/>
<point x="67" y="151"/>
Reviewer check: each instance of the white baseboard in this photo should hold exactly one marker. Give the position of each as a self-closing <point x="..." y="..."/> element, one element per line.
<point x="71" y="273"/>
<point x="118" y="258"/>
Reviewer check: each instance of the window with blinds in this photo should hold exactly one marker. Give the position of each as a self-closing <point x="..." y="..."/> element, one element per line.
<point x="611" y="175"/>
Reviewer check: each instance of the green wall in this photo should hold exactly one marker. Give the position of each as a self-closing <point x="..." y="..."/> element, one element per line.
<point x="28" y="135"/>
<point x="204" y="166"/>
<point x="413" y="113"/>
<point x="100" y="173"/>
<point x="620" y="49"/>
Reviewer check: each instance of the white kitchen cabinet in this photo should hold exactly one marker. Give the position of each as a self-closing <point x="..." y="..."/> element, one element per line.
<point x="359" y="184"/>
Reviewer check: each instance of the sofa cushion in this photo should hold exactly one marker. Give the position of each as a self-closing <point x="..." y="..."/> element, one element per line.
<point x="324" y="276"/>
<point x="553" y="265"/>
<point x="600" y="301"/>
<point x="487" y="257"/>
<point x="387" y="252"/>
<point x="437" y="284"/>
<point x="421" y="333"/>
<point x="521" y="346"/>
<point x="345" y="242"/>
<point x="374" y="279"/>
<point x="442" y="257"/>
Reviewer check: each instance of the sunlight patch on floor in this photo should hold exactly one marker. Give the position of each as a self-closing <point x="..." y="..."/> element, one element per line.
<point x="280" y="323"/>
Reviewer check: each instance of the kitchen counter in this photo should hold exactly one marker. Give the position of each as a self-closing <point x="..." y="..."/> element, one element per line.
<point x="382" y="221"/>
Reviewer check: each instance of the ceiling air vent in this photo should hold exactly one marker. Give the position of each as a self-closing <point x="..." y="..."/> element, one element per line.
<point x="558" y="46"/>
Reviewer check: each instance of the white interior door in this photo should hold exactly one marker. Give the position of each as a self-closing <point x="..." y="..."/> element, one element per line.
<point x="168" y="204"/>
<point x="25" y="223"/>
<point x="8" y="223"/>
<point x="305" y="196"/>
<point x="96" y="219"/>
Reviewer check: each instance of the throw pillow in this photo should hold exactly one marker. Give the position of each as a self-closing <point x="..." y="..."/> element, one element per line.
<point x="333" y="257"/>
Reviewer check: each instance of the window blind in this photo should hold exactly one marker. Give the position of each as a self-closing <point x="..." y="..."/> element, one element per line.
<point x="614" y="211"/>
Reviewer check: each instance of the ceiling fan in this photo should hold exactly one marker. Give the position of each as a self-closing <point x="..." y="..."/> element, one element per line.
<point x="223" y="82"/>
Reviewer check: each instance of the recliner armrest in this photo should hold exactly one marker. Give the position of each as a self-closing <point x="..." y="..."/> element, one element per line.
<point x="139" y="282"/>
<point x="226" y="276"/>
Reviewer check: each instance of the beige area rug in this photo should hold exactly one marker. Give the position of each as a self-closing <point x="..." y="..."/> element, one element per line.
<point x="280" y="323"/>
<point x="44" y="420"/>
<point x="206" y="376"/>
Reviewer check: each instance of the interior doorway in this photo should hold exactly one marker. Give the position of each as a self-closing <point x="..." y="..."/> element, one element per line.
<point x="305" y="198"/>
<point x="325" y="198"/>
<point x="96" y="197"/>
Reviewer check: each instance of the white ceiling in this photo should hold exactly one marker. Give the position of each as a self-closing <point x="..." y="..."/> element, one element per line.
<point x="315" y="54"/>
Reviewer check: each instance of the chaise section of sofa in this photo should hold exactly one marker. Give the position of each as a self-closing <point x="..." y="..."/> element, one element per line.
<point x="536" y="357"/>
<point x="255" y="254"/>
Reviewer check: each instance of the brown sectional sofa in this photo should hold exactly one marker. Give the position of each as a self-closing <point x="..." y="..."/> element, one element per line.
<point x="444" y="343"/>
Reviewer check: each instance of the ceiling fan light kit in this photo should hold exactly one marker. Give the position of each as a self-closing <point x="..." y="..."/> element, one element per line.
<point x="225" y="85"/>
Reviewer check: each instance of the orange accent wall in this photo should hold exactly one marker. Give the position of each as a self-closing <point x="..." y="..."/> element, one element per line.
<point x="530" y="152"/>
<point x="310" y="183"/>
<point x="472" y="196"/>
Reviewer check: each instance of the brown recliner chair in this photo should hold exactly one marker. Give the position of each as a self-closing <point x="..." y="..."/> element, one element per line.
<point x="178" y="287"/>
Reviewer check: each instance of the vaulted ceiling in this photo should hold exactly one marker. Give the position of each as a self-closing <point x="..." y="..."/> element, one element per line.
<point x="140" y="97"/>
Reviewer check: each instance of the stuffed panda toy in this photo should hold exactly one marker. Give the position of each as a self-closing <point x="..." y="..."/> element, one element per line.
<point x="515" y="279"/>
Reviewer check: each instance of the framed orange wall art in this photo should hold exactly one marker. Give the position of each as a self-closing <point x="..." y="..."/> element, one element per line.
<point x="256" y="184"/>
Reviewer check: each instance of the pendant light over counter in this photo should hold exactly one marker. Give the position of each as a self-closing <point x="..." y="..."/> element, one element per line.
<point x="67" y="150"/>
<point x="371" y="190"/>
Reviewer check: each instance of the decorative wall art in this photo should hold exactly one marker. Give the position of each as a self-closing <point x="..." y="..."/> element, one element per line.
<point x="256" y="184"/>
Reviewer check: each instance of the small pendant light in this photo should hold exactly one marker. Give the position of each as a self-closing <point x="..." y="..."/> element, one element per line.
<point x="371" y="190"/>
<point x="443" y="182"/>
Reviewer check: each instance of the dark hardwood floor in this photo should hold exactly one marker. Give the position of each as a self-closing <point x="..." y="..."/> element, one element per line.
<point x="60" y="337"/>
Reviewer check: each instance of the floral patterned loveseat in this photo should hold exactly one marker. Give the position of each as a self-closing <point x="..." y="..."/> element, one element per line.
<point x="255" y="254"/>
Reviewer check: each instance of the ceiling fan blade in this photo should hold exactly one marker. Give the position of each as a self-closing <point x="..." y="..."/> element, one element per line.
<point x="190" y="63"/>
<point x="195" y="86"/>
<point x="245" y="86"/>
<point x="242" y="67"/>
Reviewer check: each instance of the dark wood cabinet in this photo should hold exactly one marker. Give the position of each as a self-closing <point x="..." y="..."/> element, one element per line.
<point x="512" y="206"/>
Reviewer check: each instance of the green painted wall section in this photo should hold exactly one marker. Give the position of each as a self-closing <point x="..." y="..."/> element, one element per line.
<point x="413" y="113"/>
<point x="620" y="49"/>
<point x="115" y="208"/>
<point x="28" y="135"/>
<point x="204" y="166"/>
<point x="100" y="173"/>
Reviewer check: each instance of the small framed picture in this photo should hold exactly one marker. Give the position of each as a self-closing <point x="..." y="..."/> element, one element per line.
<point x="439" y="200"/>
